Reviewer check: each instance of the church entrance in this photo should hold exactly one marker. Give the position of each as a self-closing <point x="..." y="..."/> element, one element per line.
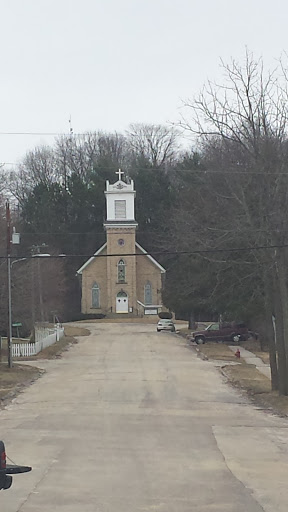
<point x="122" y="302"/>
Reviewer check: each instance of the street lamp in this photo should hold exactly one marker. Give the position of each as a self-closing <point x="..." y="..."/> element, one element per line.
<point x="15" y="240"/>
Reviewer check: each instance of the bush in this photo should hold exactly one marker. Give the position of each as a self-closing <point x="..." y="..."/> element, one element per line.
<point x="165" y="314"/>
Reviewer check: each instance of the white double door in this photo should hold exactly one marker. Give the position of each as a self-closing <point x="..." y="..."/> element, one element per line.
<point x="121" y="304"/>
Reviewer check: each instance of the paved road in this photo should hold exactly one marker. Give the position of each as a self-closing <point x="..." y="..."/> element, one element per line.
<point x="130" y="420"/>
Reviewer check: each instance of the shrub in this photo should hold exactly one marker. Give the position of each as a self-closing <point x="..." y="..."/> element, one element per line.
<point x="165" y="314"/>
<point x="87" y="316"/>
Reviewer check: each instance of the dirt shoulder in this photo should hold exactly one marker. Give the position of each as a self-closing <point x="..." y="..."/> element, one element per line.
<point x="15" y="379"/>
<point x="246" y="376"/>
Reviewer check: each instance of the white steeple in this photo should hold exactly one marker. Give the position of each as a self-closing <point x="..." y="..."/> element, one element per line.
<point x="120" y="203"/>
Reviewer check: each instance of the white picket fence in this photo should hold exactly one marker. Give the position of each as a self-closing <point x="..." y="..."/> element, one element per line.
<point x="44" y="338"/>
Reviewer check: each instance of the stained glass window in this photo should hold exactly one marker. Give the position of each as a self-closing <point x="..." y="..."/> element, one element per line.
<point x="121" y="271"/>
<point x="148" y="293"/>
<point x="95" y="296"/>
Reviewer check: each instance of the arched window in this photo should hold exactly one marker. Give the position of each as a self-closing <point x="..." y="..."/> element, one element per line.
<point x="121" y="271"/>
<point x="95" y="296"/>
<point x="122" y="294"/>
<point x="148" y="293"/>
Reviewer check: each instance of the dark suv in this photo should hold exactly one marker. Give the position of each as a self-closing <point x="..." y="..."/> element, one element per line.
<point x="221" y="332"/>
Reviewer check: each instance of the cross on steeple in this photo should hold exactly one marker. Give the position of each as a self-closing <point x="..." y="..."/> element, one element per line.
<point x="119" y="172"/>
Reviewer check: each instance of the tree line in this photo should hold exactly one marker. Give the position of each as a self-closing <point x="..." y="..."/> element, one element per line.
<point x="216" y="213"/>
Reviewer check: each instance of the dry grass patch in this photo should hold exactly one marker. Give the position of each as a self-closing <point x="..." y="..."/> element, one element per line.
<point x="15" y="378"/>
<point x="64" y="343"/>
<point x="274" y="402"/>
<point x="246" y="376"/>
<point x="71" y="330"/>
<point x="258" y="387"/>
<point x="218" y="351"/>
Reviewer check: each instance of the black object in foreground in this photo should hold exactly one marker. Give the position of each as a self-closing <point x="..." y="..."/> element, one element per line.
<point x="6" y="470"/>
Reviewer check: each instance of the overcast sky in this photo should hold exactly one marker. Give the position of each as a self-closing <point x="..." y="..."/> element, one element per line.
<point x="108" y="63"/>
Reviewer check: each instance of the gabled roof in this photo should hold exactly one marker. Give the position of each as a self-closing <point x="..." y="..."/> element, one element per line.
<point x="91" y="259"/>
<point x="151" y="258"/>
<point x="162" y="269"/>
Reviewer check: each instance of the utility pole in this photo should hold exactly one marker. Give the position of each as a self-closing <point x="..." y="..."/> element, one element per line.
<point x="32" y="294"/>
<point x="36" y="251"/>
<point x="9" y="326"/>
<point x="40" y="290"/>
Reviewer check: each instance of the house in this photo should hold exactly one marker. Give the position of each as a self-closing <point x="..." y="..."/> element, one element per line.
<point x="121" y="277"/>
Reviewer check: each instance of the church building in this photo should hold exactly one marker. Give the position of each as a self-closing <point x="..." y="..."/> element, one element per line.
<point x="121" y="278"/>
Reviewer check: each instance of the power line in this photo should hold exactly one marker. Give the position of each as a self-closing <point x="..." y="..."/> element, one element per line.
<point x="153" y="253"/>
<point x="64" y="233"/>
<point x="192" y="171"/>
<point x="53" y="134"/>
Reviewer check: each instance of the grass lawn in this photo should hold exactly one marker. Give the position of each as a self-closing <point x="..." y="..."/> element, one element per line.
<point x="217" y="351"/>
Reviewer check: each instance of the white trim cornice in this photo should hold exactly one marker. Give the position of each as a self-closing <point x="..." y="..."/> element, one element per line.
<point x="163" y="270"/>
<point x="150" y="306"/>
<point x="91" y="259"/>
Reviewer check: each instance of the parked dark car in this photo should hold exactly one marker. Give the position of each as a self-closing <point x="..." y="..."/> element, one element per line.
<point x="221" y="332"/>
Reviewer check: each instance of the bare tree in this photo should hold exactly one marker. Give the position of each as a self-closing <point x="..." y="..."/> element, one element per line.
<point x="156" y="143"/>
<point x="38" y="167"/>
<point x="243" y="128"/>
<point x="82" y="154"/>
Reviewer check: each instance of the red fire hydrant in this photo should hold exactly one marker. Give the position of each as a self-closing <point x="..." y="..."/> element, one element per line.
<point x="237" y="353"/>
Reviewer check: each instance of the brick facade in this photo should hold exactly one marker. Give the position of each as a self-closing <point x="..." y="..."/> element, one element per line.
<point x="113" y="247"/>
<point x="147" y="271"/>
<point x="95" y="272"/>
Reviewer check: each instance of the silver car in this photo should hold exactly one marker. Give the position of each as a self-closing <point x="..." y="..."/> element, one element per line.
<point x="165" y="325"/>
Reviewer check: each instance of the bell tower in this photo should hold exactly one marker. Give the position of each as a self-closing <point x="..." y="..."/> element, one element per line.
<point x="120" y="228"/>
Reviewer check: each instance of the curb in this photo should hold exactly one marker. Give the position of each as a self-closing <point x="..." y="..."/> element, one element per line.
<point x="201" y="355"/>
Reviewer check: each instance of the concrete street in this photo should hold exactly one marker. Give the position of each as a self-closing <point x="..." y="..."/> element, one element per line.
<point x="131" y="420"/>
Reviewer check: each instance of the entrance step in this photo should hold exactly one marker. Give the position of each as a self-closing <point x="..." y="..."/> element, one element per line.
<point x="121" y="315"/>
